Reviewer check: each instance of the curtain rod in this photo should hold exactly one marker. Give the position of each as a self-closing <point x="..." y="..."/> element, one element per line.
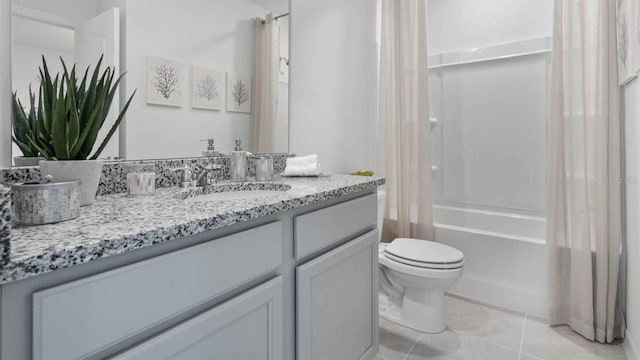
<point x="278" y="17"/>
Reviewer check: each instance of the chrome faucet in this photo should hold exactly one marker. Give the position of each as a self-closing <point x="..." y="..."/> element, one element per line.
<point x="186" y="180"/>
<point x="204" y="175"/>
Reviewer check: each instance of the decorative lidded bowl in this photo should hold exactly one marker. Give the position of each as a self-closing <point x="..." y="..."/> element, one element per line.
<point x="45" y="203"/>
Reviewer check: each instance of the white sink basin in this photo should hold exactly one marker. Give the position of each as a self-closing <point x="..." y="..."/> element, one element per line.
<point x="234" y="191"/>
<point x="234" y="195"/>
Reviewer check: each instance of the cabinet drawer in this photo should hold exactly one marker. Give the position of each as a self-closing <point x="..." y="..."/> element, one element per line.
<point x="83" y="317"/>
<point x="249" y="326"/>
<point x="320" y="229"/>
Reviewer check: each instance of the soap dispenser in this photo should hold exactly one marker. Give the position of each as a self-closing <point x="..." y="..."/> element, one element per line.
<point x="238" y="168"/>
<point x="211" y="149"/>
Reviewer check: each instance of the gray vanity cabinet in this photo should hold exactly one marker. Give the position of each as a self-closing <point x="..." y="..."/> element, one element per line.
<point x="300" y="284"/>
<point x="337" y="307"/>
<point x="246" y="327"/>
<point x="337" y="290"/>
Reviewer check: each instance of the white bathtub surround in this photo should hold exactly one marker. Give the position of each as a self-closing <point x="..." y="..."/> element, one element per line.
<point x="584" y="205"/>
<point x="404" y="126"/>
<point x="267" y="72"/>
<point x="505" y="256"/>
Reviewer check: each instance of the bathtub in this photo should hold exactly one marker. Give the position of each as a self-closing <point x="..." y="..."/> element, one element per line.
<point x="505" y="256"/>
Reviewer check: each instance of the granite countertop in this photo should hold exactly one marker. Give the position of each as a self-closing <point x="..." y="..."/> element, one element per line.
<point x="116" y="224"/>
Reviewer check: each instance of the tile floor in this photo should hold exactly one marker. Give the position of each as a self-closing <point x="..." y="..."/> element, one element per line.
<point x="477" y="332"/>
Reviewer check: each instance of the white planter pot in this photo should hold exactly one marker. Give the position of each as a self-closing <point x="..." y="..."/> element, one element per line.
<point x="27" y="161"/>
<point x="87" y="171"/>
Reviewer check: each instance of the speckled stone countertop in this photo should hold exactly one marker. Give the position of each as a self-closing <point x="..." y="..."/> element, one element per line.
<point x="5" y="224"/>
<point x="116" y="224"/>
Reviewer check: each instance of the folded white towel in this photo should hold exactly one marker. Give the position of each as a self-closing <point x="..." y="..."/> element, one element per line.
<point x="302" y="166"/>
<point x="302" y="160"/>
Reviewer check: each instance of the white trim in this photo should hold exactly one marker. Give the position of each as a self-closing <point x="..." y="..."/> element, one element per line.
<point x="510" y="50"/>
<point x="491" y="233"/>
<point x="500" y="295"/>
<point x="630" y="348"/>
<point x="45" y="17"/>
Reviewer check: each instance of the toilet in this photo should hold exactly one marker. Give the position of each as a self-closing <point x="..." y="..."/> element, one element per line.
<point x="417" y="272"/>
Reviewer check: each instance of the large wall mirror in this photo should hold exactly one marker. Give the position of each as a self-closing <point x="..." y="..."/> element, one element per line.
<point x="211" y="44"/>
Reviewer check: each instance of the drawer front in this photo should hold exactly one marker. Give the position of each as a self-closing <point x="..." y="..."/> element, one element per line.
<point x="249" y="326"/>
<point x="89" y="315"/>
<point x="323" y="228"/>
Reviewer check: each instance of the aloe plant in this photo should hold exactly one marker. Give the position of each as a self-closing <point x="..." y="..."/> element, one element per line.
<point x="70" y="114"/>
<point x="24" y="125"/>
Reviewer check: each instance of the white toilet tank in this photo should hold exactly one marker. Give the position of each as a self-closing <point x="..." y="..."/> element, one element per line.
<point x="382" y="195"/>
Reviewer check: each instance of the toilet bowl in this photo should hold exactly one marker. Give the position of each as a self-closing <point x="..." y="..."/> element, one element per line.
<point x="418" y="272"/>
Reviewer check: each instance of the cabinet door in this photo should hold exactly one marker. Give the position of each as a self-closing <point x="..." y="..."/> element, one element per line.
<point x="249" y="326"/>
<point x="81" y="318"/>
<point x="337" y="293"/>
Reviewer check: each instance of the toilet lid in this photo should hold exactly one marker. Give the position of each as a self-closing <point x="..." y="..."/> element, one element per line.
<point x="424" y="252"/>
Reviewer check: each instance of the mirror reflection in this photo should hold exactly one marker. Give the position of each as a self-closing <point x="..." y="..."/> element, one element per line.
<point x="203" y="69"/>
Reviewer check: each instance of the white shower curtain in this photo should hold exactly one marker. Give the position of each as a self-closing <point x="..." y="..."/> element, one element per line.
<point x="404" y="130"/>
<point x="266" y="73"/>
<point x="584" y="204"/>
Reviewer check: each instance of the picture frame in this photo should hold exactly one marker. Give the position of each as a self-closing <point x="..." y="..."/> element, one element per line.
<point x="239" y="96"/>
<point x="626" y="40"/>
<point x="164" y="82"/>
<point x="636" y="37"/>
<point x="207" y="88"/>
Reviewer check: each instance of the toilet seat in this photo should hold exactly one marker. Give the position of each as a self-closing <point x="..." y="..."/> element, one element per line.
<point x="420" y="271"/>
<point x="425" y="265"/>
<point x="424" y="254"/>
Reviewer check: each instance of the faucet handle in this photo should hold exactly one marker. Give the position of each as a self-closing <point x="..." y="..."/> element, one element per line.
<point x="187" y="175"/>
<point x="204" y="174"/>
<point x="210" y="143"/>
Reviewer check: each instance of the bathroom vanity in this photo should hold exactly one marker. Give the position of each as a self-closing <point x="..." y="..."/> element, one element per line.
<point x="286" y="275"/>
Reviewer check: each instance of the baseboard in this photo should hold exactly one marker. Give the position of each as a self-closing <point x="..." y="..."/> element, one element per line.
<point x="630" y="348"/>
<point x="502" y="296"/>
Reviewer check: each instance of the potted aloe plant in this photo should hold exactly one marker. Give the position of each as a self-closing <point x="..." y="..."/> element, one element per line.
<point x="24" y="125"/>
<point x="69" y="114"/>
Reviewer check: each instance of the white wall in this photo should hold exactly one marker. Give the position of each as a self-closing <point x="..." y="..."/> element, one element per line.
<point x="26" y="57"/>
<point x="468" y="24"/>
<point x="333" y="82"/>
<point x="217" y="34"/>
<point x="632" y="164"/>
<point x="78" y="10"/>
<point x="26" y="62"/>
